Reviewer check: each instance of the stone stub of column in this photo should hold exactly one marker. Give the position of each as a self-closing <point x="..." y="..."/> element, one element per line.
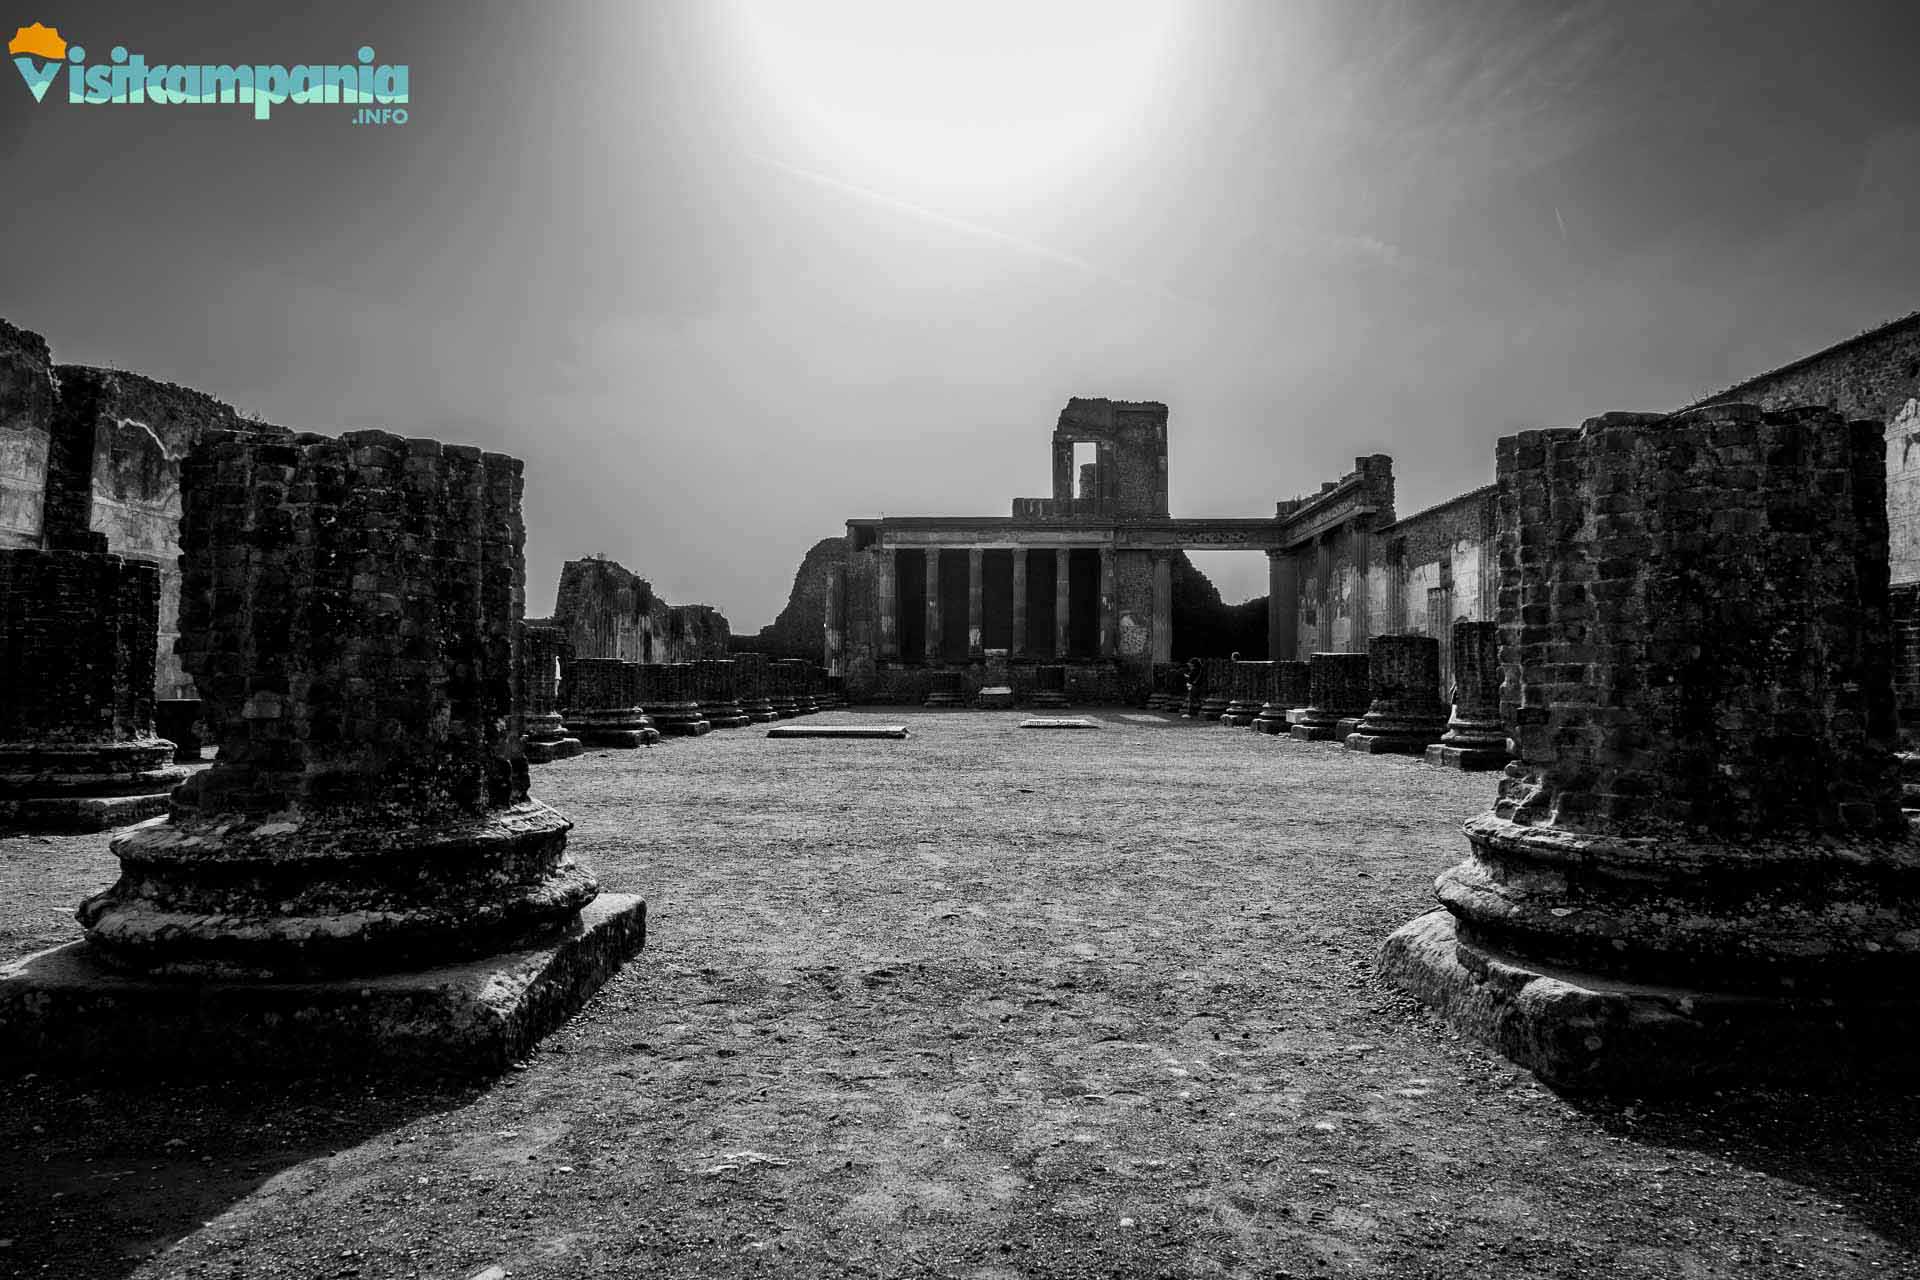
<point x="77" y="643"/>
<point x="945" y="688"/>
<point x="1475" y="737"/>
<point x="797" y="675"/>
<point x="1049" y="686"/>
<point x="606" y="710"/>
<point x="544" y="736"/>
<point x="347" y="614"/>
<point x="1286" y="689"/>
<point x="780" y="690"/>
<point x="716" y="684"/>
<point x="1697" y="872"/>
<point x="1404" y="714"/>
<point x="750" y="673"/>
<point x="1338" y="689"/>
<point x="666" y="690"/>
<point x="1247" y="692"/>
<point x="1219" y="692"/>
<point x="1161" y="686"/>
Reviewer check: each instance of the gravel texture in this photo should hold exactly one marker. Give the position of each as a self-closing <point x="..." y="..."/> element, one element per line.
<point x="986" y="1002"/>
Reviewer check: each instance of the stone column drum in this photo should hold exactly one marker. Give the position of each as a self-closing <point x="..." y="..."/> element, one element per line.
<point x="77" y="645"/>
<point x="1405" y="714"/>
<point x="780" y="690"/>
<point x="1475" y="737"/>
<point x="1219" y="694"/>
<point x="1286" y="689"/>
<point x="1697" y="872"/>
<point x="347" y="616"/>
<point x="795" y="674"/>
<point x="1049" y="687"/>
<point x="1249" y="682"/>
<point x="750" y="672"/>
<point x="666" y="689"/>
<point x="1337" y="689"/>
<point x="945" y="689"/>
<point x="544" y="736"/>
<point x="605" y="709"/>
<point x="716" y="684"/>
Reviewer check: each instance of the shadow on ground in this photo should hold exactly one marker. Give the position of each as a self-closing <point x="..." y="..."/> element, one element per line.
<point x="1858" y="1150"/>
<point x="95" y="1178"/>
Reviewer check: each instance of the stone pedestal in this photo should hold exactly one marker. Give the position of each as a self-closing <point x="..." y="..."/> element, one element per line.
<point x="800" y="682"/>
<point x="1337" y="689"/>
<point x="1475" y="737"/>
<point x="1219" y="689"/>
<point x="781" y="693"/>
<point x="77" y="646"/>
<point x="1248" y="692"/>
<point x="1405" y="715"/>
<point x="1049" y="687"/>
<point x="750" y="670"/>
<point x="666" y="690"/>
<point x="1163" y="697"/>
<point x="544" y="736"/>
<point x="716" y="685"/>
<point x="178" y="721"/>
<point x="1697" y="873"/>
<point x="1287" y="688"/>
<point x="604" y="707"/>
<point x="347" y="615"/>
<point x="945" y="689"/>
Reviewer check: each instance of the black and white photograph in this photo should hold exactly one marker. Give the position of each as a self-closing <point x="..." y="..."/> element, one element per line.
<point x="960" y="640"/>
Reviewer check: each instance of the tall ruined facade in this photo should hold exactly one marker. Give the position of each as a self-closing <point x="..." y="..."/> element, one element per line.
<point x="608" y="611"/>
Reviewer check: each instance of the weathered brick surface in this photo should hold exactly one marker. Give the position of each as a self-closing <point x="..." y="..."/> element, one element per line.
<point x="1693" y="624"/>
<point x="348" y="616"/>
<point x="610" y="612"/>
<point x="1404" y="711"/>
<point x="716" y="687"/>
<point x="28" y="395"/>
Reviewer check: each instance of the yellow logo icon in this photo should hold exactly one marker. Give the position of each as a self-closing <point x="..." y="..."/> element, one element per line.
<point x="37" y="41"/>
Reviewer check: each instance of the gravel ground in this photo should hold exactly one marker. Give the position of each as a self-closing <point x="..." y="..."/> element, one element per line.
<point x="983" y="1003"/>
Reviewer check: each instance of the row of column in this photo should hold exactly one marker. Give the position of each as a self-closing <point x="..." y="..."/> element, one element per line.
<point x="1062" y="604"/>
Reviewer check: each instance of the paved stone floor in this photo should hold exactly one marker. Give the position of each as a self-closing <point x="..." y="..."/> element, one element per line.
<point x="980" y="1003"/>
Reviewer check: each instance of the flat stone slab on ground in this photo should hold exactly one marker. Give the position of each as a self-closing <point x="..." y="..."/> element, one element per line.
<point x="61" y="1010"/>
<point x="1057" y="722"/>
<point x="839" y="731"/>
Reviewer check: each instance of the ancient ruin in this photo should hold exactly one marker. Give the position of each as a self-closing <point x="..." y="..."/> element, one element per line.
<point x="1338" y="690"/>
<point x="1698" y="869"/>
<point x="545" y="652"/>
<point x="666" y="690"/>
<point x="77" y="747"/>
<point x="1247" y="688"/>
<point x="1288" y="686"/>
<point x="603" y="704"/>
<point x="1404" y="711"/>
<point x="1476" y="738"/>
<point x="752" y="679"/>
<point x="716" y="685"/>
<point x="365" y="835"/>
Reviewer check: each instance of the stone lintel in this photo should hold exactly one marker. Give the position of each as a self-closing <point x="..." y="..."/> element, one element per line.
<point x="1579" y="1031"/>
<point x="62" y="1010"/>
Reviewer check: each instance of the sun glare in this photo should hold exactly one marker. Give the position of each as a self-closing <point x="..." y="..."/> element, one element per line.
<point x="966" y="104"/>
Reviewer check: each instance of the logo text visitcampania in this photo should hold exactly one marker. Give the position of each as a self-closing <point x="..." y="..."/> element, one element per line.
<point x="379" y="89"/>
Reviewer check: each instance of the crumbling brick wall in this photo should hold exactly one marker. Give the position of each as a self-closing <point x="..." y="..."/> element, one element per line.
<point x="27" y="399"/>
<point x="611" y="612"/>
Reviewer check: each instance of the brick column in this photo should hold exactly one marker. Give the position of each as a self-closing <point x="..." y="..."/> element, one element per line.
<point x="605" y="707"/>
<point x="753" y="681"/>
<point x="1701" y="843"/>
<point x="77" y="747"/>
<point x="1018" y="646"/>
<point x="976" y="601"/>
<point x="1475" y="737"/>
<point x="1404" y="713"/>
<point x="347" y="614"/>
<point x="544" y="734"/>
<point x="1062" y="603"/>
<point x="1337" y="689"/>
<point x="1288" y="690"/>
<point x="933" y="604"/>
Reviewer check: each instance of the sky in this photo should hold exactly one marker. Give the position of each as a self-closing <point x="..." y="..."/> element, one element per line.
<point x="727" y="273"/>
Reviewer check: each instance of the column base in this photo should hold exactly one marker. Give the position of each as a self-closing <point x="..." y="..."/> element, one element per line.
<point x="623" y="739"/>
<point x="63" y="1010"/>
<point x="551" y="750"/>
<point x="1441" y="756"/>
<point x="81" y="813"/>
<point x="1582" y="1031"/>
<point x="942" y="699"/>
<point x="726" y="715"/>
<point x="1313" y="731"/>
<point x="1346" y="727"/>
<point x="1393" y="742"/>
<point x="995" y="698"/>
<point x="682" y="719"/>
<point x="1052" y="699"/>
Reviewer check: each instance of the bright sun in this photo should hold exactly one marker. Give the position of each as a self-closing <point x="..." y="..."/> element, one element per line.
<point x="959" y="103"/>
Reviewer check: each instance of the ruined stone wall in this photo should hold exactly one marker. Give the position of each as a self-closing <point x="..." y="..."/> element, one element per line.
<point x="132" y="433"/>
<point x="799" y="630"/>
<point x="611" y="612"/>
<point x="27" y="397"/>
<point x="1875" y="375"/>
